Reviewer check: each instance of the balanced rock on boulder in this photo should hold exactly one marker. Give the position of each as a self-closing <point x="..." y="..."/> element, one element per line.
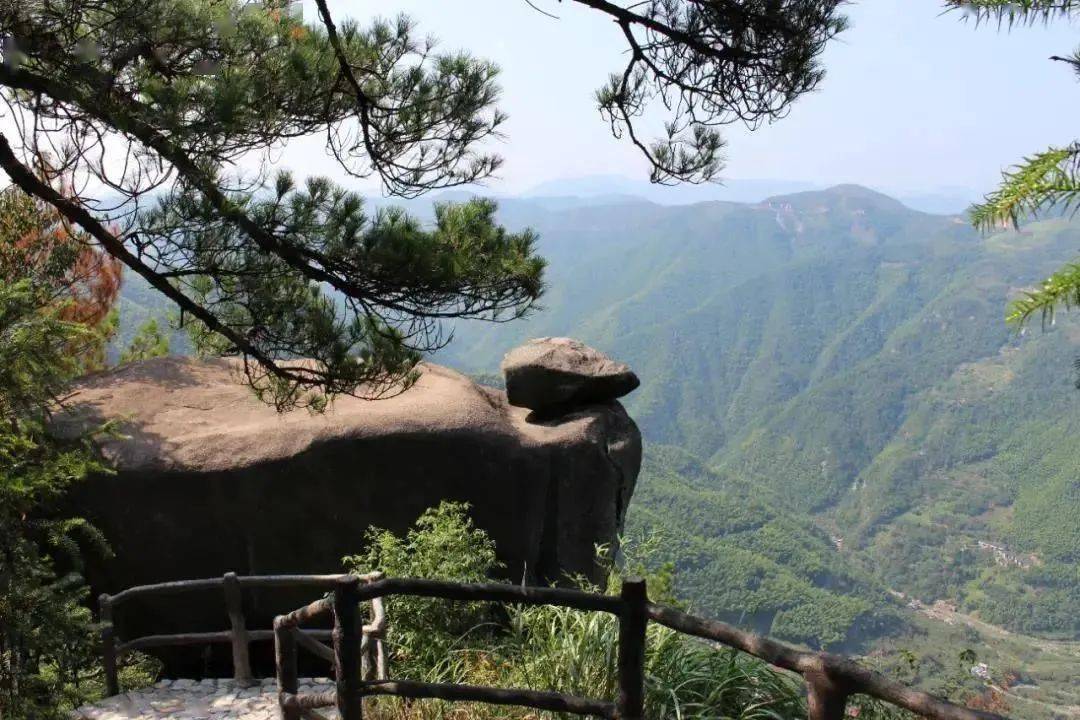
<point x="208" y="479"/>
<point x="551" y="374"/>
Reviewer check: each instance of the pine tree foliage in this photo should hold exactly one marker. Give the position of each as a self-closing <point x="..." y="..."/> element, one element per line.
<point x="706" y="64"/>
<point x="83" y="283"/>
<point x="149" y="342"/>
<point x="163" y="99"/>
<point x="46" y="633"/>
<point x="1045" y="181"/>
<point x="1062" y="289"/>
<point x="1016" y="11"/>
<point x="56" y="305"/>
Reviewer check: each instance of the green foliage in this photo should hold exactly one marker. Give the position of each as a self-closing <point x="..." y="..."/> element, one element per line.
<point x="137" y="305"/>
<point x="1044" y="182"/>
<point x="34" y="362"/>
<point x="283" y="269"/>
<point x="46" y="634"/>
<point x="701" y="84"/>
<point x="56" y="297"/>
<point x="1048" y="180"/>
<point x="443" y="545"/>
<point x="290" y="316"/>
<point x="149" y="342"/>
<point x="1017" y="11"/>
<point x="575" y="652"/>
<point x="1062" y="289"/>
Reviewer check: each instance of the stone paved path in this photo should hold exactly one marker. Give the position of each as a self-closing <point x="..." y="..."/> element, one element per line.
<point x="200" y="700"/>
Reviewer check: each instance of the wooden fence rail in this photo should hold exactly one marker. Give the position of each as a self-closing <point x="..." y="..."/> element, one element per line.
<point x="239" y="636"/>
<point x="831" y="680"/>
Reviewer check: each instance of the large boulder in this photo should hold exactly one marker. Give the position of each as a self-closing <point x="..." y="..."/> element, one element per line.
<point x="551" y="374"/>
<point x="209" y="479"/>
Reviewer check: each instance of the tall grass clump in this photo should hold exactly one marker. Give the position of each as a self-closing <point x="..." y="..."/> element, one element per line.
<point x="575" y="652"/>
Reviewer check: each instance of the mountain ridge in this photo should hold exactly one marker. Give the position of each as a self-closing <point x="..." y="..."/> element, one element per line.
<point x="804" y="356"/>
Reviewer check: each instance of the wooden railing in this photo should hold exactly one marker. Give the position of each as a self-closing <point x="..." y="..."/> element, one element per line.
<point x="239" y="636"/>
<point x="831" y="680"/>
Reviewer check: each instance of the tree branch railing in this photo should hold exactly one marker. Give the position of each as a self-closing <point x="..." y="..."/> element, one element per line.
<point x="831" y="680"/>
<point x="239" y="636"/>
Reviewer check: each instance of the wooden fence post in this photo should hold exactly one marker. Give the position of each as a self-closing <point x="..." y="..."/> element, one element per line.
<point x="382" y="663"/>
<point x="630" y="705"/>
<point x="285" y="656"/>
<point x="378" y="660"/>
<point x="234" y="604"/>
<point x="825" y="699"/>
<point x="367" y="657"/>
<point x="348" y="629"/>
<point x="108" y="645"/>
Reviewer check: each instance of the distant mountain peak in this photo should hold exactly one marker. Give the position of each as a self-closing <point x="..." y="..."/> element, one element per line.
<point x="850" y="197"/>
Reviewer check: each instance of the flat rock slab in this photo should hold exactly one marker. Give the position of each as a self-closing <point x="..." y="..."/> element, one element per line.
<point x="200" y="700"/>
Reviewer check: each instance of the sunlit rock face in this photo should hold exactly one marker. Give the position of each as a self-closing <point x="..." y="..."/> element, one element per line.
<point x="209" y="479"/>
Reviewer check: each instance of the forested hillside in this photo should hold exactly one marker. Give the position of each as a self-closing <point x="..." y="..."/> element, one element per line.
<point x="744" y="559"/>
<point x="844" y="361"/>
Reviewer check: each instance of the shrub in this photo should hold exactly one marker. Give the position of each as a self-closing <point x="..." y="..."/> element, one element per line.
<point x="444" y="545"/>
<point x="549" y="647"/>
<point x="48" y="660"/>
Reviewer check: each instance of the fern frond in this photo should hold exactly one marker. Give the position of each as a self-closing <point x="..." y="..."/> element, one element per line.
<point x="1050" y="178"/>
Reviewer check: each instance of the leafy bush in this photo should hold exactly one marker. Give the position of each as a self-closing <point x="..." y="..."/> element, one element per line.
<point x="444" y="545"/>
<point x="555" y="648"/>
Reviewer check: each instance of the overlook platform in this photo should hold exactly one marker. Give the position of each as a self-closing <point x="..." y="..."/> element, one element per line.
<point x="221" y="699"/>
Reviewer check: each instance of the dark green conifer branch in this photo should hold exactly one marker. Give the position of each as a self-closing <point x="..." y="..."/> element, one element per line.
<point x="1043" y="182"/>
<point x="157" y="103"/>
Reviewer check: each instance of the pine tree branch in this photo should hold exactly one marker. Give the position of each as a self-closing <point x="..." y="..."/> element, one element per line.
<point x="1042" y="181"/>
<point x="33" y="185"/>
<point x="308" y="262"/>
<point x="625" y="18"/>
<point x="1013" y="12"/>
<point x="708" y="62"/>
<point x="1062" y="289"/>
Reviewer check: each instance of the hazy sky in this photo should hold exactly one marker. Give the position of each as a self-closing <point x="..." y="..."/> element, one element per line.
<point x="914" y="100"/>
